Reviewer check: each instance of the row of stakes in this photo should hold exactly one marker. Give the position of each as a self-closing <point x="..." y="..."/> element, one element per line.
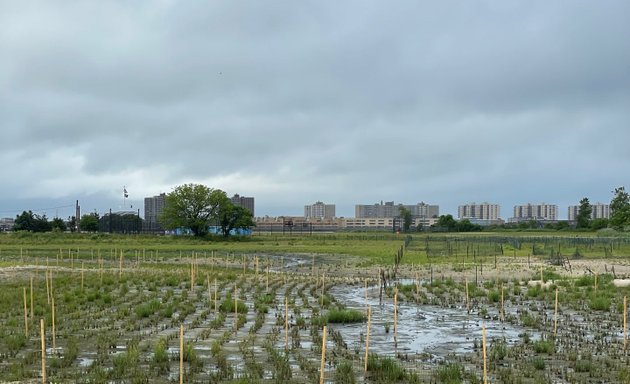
<point x="194" y="271"/>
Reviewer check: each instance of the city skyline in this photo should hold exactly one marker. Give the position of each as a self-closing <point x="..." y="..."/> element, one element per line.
<point x="248" y="202"/>
<point x="351" y="103"/>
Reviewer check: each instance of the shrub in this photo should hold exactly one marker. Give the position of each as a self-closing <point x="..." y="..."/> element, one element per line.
<point x="544" y="346"/>
<point x="147" y="309"/>
<point x="449" y="373"/>
<point x="345" y="316"/>
<point x="583" y="366"/>
<point x="599" y="303"/>
<point x="385" y="369"/>
<point x="538" y="363"/>
<point x="494" y="296"/>
<point x="344" y="373"/>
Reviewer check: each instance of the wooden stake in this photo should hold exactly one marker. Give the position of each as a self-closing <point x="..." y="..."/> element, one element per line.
<point x="47" y="287"/>
<point x="209" y="293"/>
<point x="216" y="307"/>
<point x="625" y="323"/>
<point x="235" y="309"/>
<point x="542" y="281"/>
<point x="502" y="305"/>
<point x="555" y="316"/>
<point x="41" y="332"/>
<point x="192" y="276"/>
<point x="181" y="354"/>
<point x="483" y="342"/>
<point x="82" y="266"/>
<point x="286" y="323"/>
<point x="32" y="312"/>
<point x="322" y="365"/>
<point x="367" y="339"/>
<point x="120" y="264"/>
<point x="595" y="283"/>
<point x="52" y="298"/>
<point x="366" y="294"/>
<point x="467" y="302"/>
<point x="25" y="315"/>
<point x="323" y="285"/>
<point x="396" y="317"/>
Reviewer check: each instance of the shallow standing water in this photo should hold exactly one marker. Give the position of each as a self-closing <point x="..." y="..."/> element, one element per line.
<point x="422" y="329"/>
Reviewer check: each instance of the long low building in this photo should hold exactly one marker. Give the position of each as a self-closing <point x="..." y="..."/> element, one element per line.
<point x="301" y="224"/>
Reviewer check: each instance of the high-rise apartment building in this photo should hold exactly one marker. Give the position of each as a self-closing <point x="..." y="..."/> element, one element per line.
<point x="599" y="211"/>
<point x="245" y="202"/>
<point x="538" y="212"/>
<point x="319" y="210"/>
<point x="153" y="207"/>
<point x="483" y="211"/>
<point x="389" y="209"/>
<point x="422" y="210"/>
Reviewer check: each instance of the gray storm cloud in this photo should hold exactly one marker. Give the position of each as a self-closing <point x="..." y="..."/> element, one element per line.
<point x="292" y="102"/>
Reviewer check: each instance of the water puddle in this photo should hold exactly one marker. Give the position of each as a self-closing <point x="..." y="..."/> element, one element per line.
<point x="422" y="329"/>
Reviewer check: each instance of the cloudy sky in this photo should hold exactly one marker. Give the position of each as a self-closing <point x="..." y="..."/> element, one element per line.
<point x="351" y="102"/>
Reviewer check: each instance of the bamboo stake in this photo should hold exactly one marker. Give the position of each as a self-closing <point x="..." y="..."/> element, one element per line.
<point x="555" y="316"/>
<point x="542" y="281"/>
<point x="625" y="323"/>
<point x="181" y="354"/>
<point x="216" y="308"/>
<point x="502" y="304"/>
<point x="483" y="342"/>
<point x="120" y="262"/>
<point x="47" y="287"/>
<point x="467" y="302"/>
<point x="192" y="276"/>
<point x="25" y="315"/>
<point x="367" y="340"/>
<point x="323" y="285"/>
<point x="32" y="312"/>
<point x="286" y="323"/>
<point x="322" y="365"/>
<point x="267" y="288"/>
<point x="82" y="266"/>
<point x="366" y="294"/>
<point x="396" y="317"/>
<point x="50" y="281"/>
<point x="595" y="283"/>
<point x="235" y="309"/>
<point x="209" y="293"/>
<point x="53" y="323"/>
<point x="41" y="332"/>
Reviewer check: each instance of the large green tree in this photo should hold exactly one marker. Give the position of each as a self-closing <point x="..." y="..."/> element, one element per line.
<point x="406" y="217"/>
<point x="89" y="222"/>
<point x="58" y="224"/>
<point x="234" y="217"/>
<point x="583" y="217"/>
<point x="447" y="222"/>
<point x="620" y="209"/>
<point x="29" y="221"/>
<point x="193" y="206"/>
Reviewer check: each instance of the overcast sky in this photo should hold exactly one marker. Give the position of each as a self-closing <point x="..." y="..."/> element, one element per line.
<point x="351" y="102"/>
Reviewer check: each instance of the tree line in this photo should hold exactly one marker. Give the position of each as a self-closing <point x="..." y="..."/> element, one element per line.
<point x="198" y="208"/>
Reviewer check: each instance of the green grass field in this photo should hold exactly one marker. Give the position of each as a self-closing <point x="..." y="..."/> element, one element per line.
<point x="375" y="248"/>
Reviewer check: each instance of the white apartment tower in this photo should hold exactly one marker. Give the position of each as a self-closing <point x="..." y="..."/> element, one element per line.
<point x="483" y="211"/>
<point x="319" y="210"/>
<point x="599" y="211"/>
<point x="541" y="212"/>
